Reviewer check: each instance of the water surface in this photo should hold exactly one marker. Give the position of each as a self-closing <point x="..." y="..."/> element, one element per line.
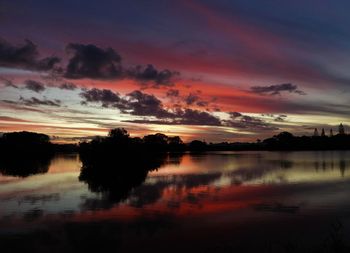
<point x="217" y="201"/>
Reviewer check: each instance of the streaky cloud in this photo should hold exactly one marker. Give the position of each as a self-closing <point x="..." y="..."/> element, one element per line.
<point x="276" y="89"/>
<point x="34" y="86"/>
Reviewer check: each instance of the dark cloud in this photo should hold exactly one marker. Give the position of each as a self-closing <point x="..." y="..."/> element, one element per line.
<point x="143" y="104"/>
<point x="8" y="83"/>
<point x="191" y="98"/>
<point x="280" y="118"/>
<point x="25" y="56"/>
<point x="106" y="97"/>
<point x="173" y="93"/>
<point x="234" y="115"/>
<point x="37" y="86"/>
<point x="238" y="120"/>
<point x="90" y="61"/>
<point x="184" y="117"/>
<point x="202" y="103"/>
<point x="277" y="89"/>
<point x="148" y="121"/>
<point x="86" y="61"/>
<point x="67" y="86"/>
<point x="277" y="118"/>
<point x="149" y="73"/>
<point x="34" y="86"/>
<point x="134" y="103"/>
<point x="195" y="117"/>
<point x="35" y="102"/>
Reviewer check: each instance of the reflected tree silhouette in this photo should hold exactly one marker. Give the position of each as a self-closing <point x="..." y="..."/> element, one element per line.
<point x="24" y="166"/>
<point x="342" y="167"/>
<point x="118" y="163"/>
<point x="175" y="158"/>
<point x="116" y="177"/>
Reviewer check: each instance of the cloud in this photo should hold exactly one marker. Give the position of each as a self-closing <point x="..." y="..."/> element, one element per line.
<point x="86" y="61"/>
<point x="90" y="61"/>
<point x="106" y="97"/>
<point x="17" y="106"/>
<point x="37" y="86"/>
<point x="34" y="86"/>
<point x="202" y="103"/>
<point x="276" y="118"/>
<point x="276" y="89"/>
<point x="173" y="93"/>
<point x="8" y="83"/>
<point x="238" y="120"/>
<point x="67" y="86"/>
<point x="134" y="103"/>
<point x="184" y="117"/>
<point x="35" y="102"/>
<point x="25" y="56"/>
<point x="234" y="115"/>
<point x="280" y="118"/>
<point x="11" y="119"/>
<point x="149" y="73"/>
<point x="195" y="99"/>
<point x="141" y="104"/>
<point x="191" y="98"/>
<point x="195" y="117"/>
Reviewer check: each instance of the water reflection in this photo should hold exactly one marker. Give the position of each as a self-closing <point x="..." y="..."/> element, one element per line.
<point x="116" y="178"/>
<point x="205" y="193"/>
<point x="326" y="163"/>
<point x="22" y="165"/>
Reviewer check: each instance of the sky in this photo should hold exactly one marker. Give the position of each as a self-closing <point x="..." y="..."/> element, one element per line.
<point x="223" y="70"/>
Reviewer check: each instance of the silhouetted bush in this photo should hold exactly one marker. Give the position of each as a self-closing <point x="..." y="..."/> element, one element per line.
<point x="25" y="153"/>
<point x="25" y="143"/>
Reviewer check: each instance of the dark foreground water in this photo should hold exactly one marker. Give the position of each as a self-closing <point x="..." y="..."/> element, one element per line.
<point x="211" y="202"/>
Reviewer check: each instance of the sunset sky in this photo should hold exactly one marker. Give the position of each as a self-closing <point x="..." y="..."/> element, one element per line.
<point x="223" y="70"/>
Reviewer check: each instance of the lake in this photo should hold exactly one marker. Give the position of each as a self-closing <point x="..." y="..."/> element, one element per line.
<point x="205" y="202"/>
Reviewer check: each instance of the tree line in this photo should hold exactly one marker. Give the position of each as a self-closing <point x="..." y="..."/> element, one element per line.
<point x="119" y="140"/>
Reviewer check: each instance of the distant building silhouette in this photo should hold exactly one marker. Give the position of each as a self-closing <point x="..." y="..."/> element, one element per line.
<point x="331" y="133"/>
<point x="323" y="134"/>
<point x="316" y="132"/>
<point x="341" y="129"/>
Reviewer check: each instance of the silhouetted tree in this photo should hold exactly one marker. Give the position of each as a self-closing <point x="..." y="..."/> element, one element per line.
<point x="176" y="144"/>
<point x="341" y="129"/>
<point x="156" y="142"/>
<point x="27" y="142"/>
<point x="118" y="134"/>
<point x="25" y="153"/>
<point x="197" y="145"/>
